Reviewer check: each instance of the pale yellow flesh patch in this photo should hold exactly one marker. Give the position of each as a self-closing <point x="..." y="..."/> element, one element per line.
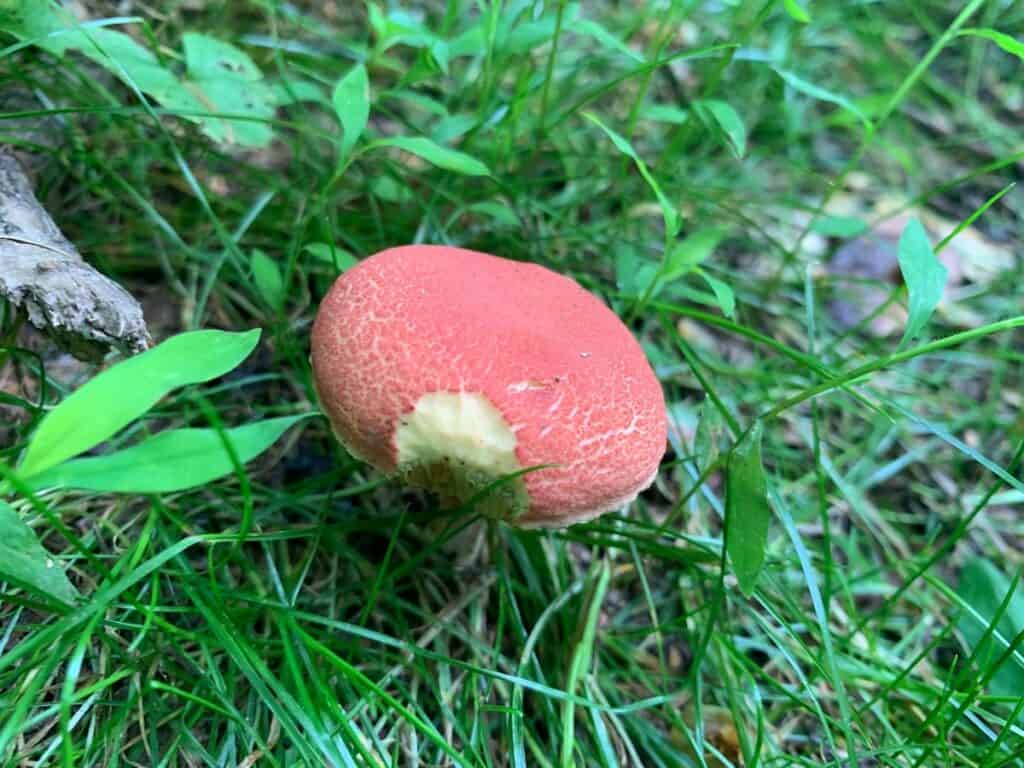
<point x="457" y="444"/>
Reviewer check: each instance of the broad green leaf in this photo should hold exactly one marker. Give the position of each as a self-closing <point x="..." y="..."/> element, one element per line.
<point x="439" y="53"/>
<point x="924" y="275"/>
<point x="332" y="254"/>
<point x="221" y="79"/>
<point x="690" y="253"/>
<point x="129" y="61"/>
<point x="633" y="273"/>
<point x="452" y="127"/>
<point x="293" y="91"/>
<point x="665" y="113"/>
<point x="426" y="103"/>
<point x="668" y="211"/>
<point x="839" y="226"/>
<point x="352" y="104"/>
<point x="523" y="38"/>
<point x="207" y="57"/>
<point x="719" y="113"/>
<point x="107" y="403"/>
<point x="386" y="187"/>
<point x="747" y="512"/>
<point x="267" y="276"/>
<point x="442" y="157"/>
<point x="1004" y="41"/>
<point x="723" y="293"/>
<point x="227" y="81"/>
<point x="983" y="587"/>
<point x="174" y="460"/>
<point x="683" y="257"/>
<point x="469" y="42"/>
<point x="398" y="27"/>
<point x="499" y="212"/>
<point x="31" y="19"/>
<point x="822" y="94"/>
<point x="796" y="11"/>
<point x="124" y="57"/>
<point x="24" y="562"/>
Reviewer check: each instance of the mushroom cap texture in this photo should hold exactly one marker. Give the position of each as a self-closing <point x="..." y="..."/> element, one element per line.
<point x="565" y="373"/>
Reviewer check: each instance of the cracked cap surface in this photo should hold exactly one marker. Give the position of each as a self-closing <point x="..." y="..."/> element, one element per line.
<point x="535" y="371"/>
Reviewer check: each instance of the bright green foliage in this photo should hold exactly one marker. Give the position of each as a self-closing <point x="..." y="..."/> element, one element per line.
<point x="442" y="157"/>
<point x="991" y="619"/>
<point x="352" y="104"/>
<point x="924" y="275"/>
<point x="1006" y="42"/>
<point x="269" y="281"/>
<point x="103" y="406"/>
<point x="24" y="562"/>
<point x="173" y="460"/>
<point x="224" y="80"/>
<point x="219" y="78"/>
<point x="747" y="513"/>
<point x="241" y="591"/>
<point x="720" y="114"/>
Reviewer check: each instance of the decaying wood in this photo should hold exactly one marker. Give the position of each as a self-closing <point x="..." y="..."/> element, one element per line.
<point x="43" y="274"/>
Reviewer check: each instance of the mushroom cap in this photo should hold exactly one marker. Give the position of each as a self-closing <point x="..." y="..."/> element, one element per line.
<point x="455" y="368"/>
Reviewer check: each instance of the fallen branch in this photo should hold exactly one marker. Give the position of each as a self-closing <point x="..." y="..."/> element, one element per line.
<point x="43" y="274"/>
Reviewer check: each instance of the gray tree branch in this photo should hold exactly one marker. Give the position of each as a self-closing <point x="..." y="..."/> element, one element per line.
<point x="43" y="274"/>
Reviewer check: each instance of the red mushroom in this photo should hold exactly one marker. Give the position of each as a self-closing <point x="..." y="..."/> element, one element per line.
<point x="453" y="369"/>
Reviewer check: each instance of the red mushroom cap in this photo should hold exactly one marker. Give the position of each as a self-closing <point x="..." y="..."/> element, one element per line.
<point x="454" y="368"/>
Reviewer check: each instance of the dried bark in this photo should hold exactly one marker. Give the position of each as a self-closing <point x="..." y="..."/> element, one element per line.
<point x="43" y="274"/>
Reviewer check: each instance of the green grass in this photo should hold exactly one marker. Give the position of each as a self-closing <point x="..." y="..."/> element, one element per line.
<point x="340" y="631"/>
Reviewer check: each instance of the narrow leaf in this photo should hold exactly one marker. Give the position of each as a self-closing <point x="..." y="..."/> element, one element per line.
<point x="924" y="275"/>
<point x="821" y="94"/>
<point x="583" y="650"/>
<point x="839" y="226"/>
<point x="452" y="127"/>
<point x="796" y="11"/>
<point x="721" y="113"/>
<point x="500" y="213"/>
<point x="747" y="512"/>
<point x="668" y="211"/>
<point x="439" y="53"/>
<point x="442" y="157"/>
<point x="1004" y="41"/>
<point x="524" y="37"/>
<point x="710" y="429"/>
<point x="175" y="460"/>
<point x="690" y="253"/>
<point x="351" y="101"/>
<point x="24" y="562"/>
<point x="723" y="293"/>
<point x="267" y="276"/>
<point x="604" y="37"/>
<point x="665" y="113"/>
<point x="332" y="254"/>
<point x="101" y="407"/>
